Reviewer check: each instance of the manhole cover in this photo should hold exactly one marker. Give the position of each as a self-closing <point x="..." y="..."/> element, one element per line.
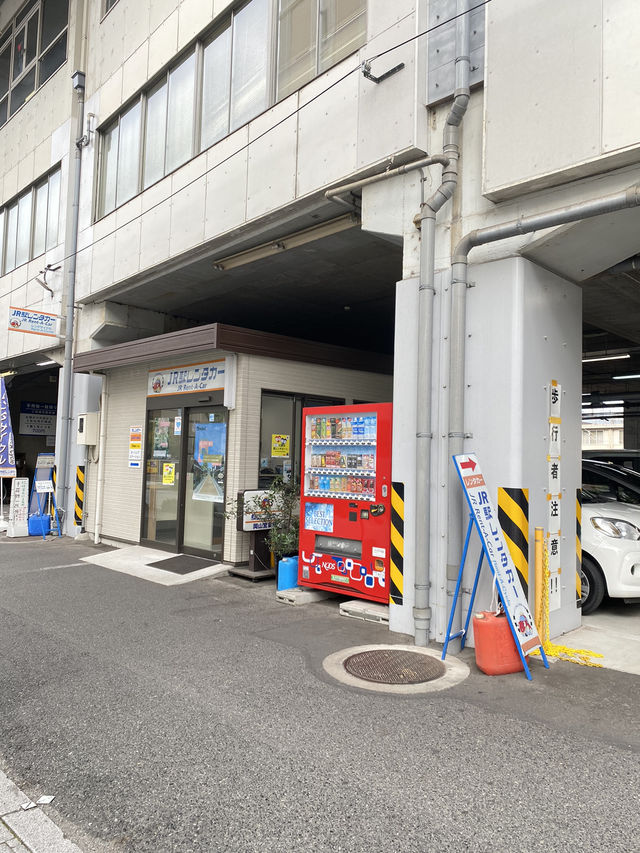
<point x="394" y="666"/>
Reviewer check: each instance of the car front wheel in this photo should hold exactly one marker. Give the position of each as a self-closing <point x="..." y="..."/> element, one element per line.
<point x="592" y="586"/>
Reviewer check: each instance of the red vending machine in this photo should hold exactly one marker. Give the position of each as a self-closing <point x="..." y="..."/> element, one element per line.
<point x="345" y="501"/>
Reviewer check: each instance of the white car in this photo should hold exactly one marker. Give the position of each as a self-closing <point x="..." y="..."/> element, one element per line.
<point x="610" y="551"/>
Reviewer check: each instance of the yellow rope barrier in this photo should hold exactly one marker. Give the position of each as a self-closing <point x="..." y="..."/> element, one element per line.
<point x="579" y="656"/>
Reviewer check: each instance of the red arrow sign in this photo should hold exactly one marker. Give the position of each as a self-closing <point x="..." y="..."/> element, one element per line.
<point x="468" y="464"/>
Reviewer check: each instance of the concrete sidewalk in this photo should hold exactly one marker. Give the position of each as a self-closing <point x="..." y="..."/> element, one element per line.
<point x="27" y="831"/>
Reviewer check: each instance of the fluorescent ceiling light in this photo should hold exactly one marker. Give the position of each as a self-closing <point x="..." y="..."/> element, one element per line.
<point x="587" y="403"/>
<point x="281" y="244"/>
<point x="613" y="402"/>
<point x="44" y="363"/>
<point x="628" y="376"/>
<point x="606" y="358"/>
<point x="586" y="393"/>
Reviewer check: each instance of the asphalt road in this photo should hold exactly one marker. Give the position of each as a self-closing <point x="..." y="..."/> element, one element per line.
<point x="198" y="718"/>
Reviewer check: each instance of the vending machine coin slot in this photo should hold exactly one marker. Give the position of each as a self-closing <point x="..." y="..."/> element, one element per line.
<point x="364" y="513"/>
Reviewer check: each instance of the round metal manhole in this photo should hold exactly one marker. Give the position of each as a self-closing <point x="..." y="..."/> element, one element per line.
<point x="394" y="666"/>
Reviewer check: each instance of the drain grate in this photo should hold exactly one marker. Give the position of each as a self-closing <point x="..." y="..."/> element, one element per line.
<point x="394" y="666"/>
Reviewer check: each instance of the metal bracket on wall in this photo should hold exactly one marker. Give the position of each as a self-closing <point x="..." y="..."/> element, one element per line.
<point x="366" y="71"/>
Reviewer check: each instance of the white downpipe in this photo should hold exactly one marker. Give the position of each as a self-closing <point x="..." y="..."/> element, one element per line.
<point x="426" y="343"/>
<point x="102" y="443"/>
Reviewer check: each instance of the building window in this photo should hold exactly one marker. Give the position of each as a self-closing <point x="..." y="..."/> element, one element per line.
<point x="220" y="85"/>
<point x="29" y="224"/>
<point x="313" y="35"/>
<point x="32" y="47"/>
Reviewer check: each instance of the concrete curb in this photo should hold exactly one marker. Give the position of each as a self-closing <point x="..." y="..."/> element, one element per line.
<point x="29" y="830"/>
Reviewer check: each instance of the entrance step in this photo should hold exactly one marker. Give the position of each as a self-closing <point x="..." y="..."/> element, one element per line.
<point x="365" y="610"/>
<point x="251" y="574"/>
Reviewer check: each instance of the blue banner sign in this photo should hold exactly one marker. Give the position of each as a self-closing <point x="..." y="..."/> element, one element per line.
<point x="7" y="450"/>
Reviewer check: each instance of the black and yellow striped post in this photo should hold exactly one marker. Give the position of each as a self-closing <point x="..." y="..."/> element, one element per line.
<point x="578" y="544"/>
<point x="396" y="571"/>
<point x="513" y="515"/>
<point x="52" y="509"/>
<point x="79" y="501"/>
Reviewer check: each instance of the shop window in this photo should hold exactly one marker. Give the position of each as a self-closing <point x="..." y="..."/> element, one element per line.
<point x="224" y="82"/>
<point x="29" y="224"/>
<point x="280" y="434"/>
<point x="32" y="47"/>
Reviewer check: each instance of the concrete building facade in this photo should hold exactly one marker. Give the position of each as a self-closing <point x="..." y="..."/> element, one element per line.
<point x="189" y="171"/>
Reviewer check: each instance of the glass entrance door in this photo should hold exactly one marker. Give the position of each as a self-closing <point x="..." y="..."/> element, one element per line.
<point x="161" y="515"/>
<point x="206" y="434"/>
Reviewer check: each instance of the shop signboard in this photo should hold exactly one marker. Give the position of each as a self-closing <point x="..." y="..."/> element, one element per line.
<point x="19" y="508"/>
<point x="187" y="379"/>
<point x="33" y="322"/>
<point x="37" y="418"/>
<point x="495" y="548"/>
<point x="256" y="506"/>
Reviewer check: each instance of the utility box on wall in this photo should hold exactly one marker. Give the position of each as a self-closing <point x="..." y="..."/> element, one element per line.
<point x="87" y="432"/>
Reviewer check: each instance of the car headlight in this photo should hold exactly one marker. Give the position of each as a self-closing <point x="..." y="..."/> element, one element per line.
<point x="616" y="528"/>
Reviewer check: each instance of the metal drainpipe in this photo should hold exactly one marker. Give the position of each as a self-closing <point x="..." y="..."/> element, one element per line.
<point x="332" y="195"/>
<point x="102" y="446"/>
<point x="525" y="225"/>
<point x="451" y="150"/>
<point x="69" y="321"/>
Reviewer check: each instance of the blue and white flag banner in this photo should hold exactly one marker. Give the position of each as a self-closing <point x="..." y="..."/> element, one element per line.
<point x="7" y="450"/>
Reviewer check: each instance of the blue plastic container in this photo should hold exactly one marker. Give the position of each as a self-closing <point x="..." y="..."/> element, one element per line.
<point x="39" y="525"/>
<point x="287" y="573"/>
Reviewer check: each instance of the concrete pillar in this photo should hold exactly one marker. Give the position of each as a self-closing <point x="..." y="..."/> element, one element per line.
<point x="631" y="427"/>
<point x="85" y="396"/>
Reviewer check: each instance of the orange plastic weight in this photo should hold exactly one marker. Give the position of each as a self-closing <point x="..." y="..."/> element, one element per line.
<point x="496" y="652"/>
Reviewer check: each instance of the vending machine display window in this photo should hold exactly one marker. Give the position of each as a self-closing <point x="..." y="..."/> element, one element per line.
<point x="340" y="456"/>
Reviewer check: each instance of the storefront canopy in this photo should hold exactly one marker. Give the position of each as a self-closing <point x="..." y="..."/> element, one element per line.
<point x="233" y="339"/>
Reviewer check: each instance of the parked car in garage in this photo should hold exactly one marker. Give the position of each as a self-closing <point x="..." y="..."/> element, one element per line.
<point x="624" y="458"/>
<point x="610" y="534"/>
<point x="611" y="482"/>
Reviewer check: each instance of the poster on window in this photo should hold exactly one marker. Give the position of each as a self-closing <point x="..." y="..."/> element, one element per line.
<point x="161" y="437"/>
<point x="209" y="447"/>
<point x="280" y="446"/>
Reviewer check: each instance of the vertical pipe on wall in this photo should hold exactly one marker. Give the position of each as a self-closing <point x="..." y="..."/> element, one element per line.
<point x="429" y="209"/>
<point x="66" y="403"/>
<point x="102" y="446"/>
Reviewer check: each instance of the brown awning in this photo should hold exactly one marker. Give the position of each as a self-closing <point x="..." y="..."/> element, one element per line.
<point x="218" y="336"/>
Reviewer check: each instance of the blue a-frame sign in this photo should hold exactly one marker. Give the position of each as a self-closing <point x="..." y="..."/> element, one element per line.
<point x="484" y="518"/>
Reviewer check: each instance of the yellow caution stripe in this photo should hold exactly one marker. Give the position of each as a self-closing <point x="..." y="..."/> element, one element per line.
<point x="79" y="501"/>
<point x="396" y="569"/>
<point x="513" y="515"/>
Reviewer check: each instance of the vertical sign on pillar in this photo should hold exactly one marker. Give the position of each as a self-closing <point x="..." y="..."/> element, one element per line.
<point x="554" y="495"/>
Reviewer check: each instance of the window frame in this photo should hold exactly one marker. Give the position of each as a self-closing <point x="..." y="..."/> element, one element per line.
<point x="14" y="202"/>
<point x="8" y="38"/>
<point x="198" y="47"/>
